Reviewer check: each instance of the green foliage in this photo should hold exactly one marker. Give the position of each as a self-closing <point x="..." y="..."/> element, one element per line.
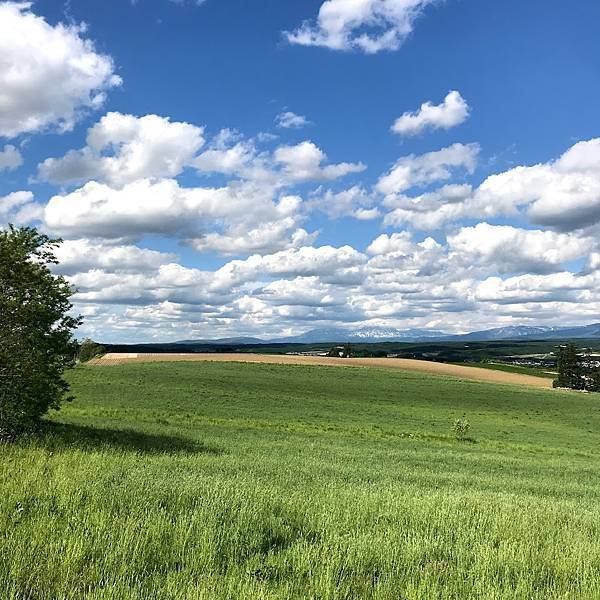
<point x="570" y="373"/>
<point x="213" y="481"/>
<point x="594" y="381"/>
<point x="575" y="370"/>
<point x="89" y="349"/>
<point x="461" y="428"/>
<point x="36" y="342"/>
<point x="344" y="351"/>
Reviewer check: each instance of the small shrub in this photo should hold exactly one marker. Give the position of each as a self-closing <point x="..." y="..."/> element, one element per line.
<point x="461" y="428"/>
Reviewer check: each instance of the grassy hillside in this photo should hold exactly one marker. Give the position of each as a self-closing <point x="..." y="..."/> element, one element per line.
<point x="219" y="480"/>
<point x="545" y="372"/>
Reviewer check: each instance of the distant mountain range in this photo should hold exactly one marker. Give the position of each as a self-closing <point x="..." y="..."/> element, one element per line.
<point x="390" y="334"/>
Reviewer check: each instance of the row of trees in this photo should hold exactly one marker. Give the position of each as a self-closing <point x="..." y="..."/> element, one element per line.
<point x="577" y="369"/>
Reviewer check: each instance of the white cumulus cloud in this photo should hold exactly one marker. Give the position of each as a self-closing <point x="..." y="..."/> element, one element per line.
<point x="48" y="74"/>
<point x="19" y="208"/>
<point x="453" y="111"/>
<point x="419" y="170"/>
<point x="513" y="250"/>
<point x="354" y="202"/>
<point x="233" y="219"/>
<point x="10" y="158"/>
<point x="366" y="25"/>
<point x="303" y="162"/>
<point x="290" y="120"/>
<point x="124" y="148"/>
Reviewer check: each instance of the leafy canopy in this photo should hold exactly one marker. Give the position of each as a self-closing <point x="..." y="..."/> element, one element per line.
<point x="36" y="341"/>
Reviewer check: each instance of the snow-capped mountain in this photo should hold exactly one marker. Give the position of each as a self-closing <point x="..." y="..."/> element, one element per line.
<point x="390" y="334"/>
<point x="363" y="334"/>
<point x="509" y="333"/>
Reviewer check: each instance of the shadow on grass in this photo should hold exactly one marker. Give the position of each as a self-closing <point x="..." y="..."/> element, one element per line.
<point x="57" y="436"/>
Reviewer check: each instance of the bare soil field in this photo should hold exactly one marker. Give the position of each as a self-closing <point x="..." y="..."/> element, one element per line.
<point x="463" y="372"/>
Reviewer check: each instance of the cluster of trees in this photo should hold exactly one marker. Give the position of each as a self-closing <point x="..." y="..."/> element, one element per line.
<point x="36" y="330"/>
<point x="344" y="351"/>
<point x="89" y="349"/>
<point x="577" y="370"/>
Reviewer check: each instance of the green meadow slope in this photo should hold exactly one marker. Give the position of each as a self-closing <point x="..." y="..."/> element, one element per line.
<point x="225" y="481"/>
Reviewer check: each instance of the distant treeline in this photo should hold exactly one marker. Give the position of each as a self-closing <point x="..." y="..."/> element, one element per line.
<point x="435" y="351"/>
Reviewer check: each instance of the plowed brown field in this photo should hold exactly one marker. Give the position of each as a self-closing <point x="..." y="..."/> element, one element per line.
<point x="462" y="372"/>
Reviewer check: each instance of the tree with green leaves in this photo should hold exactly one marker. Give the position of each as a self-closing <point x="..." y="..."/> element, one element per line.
<point x="89" y="350"/>
<point x="594" y="381"/>
<point x="570" y="371"/>
<point x="36" y="330"/>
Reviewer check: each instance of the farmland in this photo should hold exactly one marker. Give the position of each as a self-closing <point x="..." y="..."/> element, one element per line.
<point x="191" y="480"/>
<point x="528" y="377"/>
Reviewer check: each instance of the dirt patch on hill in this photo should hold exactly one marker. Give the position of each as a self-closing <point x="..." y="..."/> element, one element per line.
<point x="421" y="366"/>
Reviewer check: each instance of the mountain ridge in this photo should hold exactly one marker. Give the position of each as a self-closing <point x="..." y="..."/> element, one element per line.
<point x="392" y="334"/>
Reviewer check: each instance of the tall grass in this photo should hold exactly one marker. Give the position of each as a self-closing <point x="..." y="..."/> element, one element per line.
<point x="199" y="480"/>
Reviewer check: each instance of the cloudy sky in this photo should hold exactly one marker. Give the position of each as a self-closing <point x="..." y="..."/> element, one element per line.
<point x="261" y="167"/>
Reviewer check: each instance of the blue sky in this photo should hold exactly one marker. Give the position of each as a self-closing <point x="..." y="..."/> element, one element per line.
<point x="465" y="217"/>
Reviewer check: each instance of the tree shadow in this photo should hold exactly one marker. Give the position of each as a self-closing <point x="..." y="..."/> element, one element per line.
<point x="56" y="436"/>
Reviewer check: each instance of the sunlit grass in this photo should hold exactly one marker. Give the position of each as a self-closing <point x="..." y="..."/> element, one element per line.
<point x="200" y="480"/>
<point x="546" y="372"/>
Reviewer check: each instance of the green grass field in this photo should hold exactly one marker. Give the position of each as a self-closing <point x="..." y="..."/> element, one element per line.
<point x="547" y="373"/>
<point x="226" y="481"/>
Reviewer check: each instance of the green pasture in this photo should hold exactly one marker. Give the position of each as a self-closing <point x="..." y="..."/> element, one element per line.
<point x="251" y="481"/>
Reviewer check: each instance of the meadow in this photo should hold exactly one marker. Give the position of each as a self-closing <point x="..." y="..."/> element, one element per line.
<point x="545" y="372"/>
<point x="253" y="481"/>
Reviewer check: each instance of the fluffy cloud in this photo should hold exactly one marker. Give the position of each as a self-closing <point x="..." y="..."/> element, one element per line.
<point x="130" y="165"/>
<point x="229" y="161"/>
<point x="10" y="158"/>
<point x="48" y="74"/>
<point x="233" y="219"/>
<point x="301" y="291"/>
<point x="19" y="208"/>
<point x="97" y="210"/>
<point x="568" y="196"/>
<point x="453" y="111"/>
<point x="512" y="250"/>
<point x="354" y="202"/>
<point x="228" y="153"/>
<point x="538" y="289"/>
<point x="84" y="255"/>
<point x="402" y="282"/>
<point x="303" y="162"/>
<point x="366" y="25"/>
<point x="468" y="277"/>
<point x="278" y="230"/>
<point x="290" y="120"/>
<point x="286" y="166"/>
<point x="411" y="171"/>
<point x="340" y="265"/>
<point x="396" y="243"/>
<point x="124" y="148"/>
<point x="398" y="251"/>
<point x="563" y="194"/>
<point x="428" y="211"/>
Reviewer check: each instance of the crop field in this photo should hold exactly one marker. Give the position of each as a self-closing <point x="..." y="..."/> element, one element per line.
<point x="222" y="480"/>
<point x="527" y="377"/>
